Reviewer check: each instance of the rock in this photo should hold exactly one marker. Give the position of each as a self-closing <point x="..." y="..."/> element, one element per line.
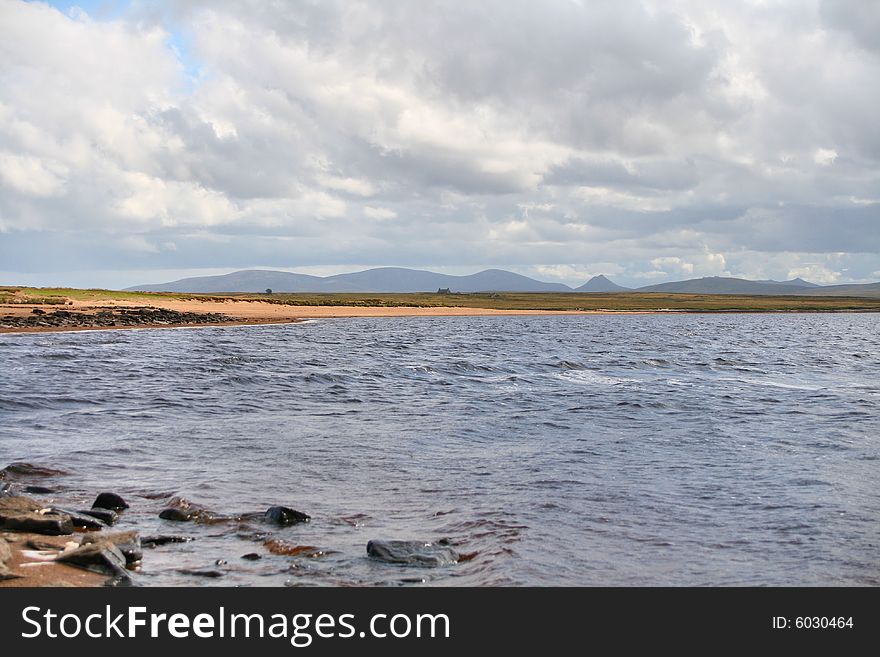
<point x="5" y="491"/>
<point x="156" y="541"/>
<point x="128" y="543"/>
<point x="106" y="516"/>
<point x="177" y="515"/>
<point x="277" y="546"/>
<point x="48" y="524"/>
<point x="29" y="470"/>
<point x="18" y="504"/>
<point x="181" y="510"/>
<point x="5" y="551"/>
<point x="104" y="558"/>
<point x="37" y="311"/>
<point x="200" y="573"/>
<point x="251" y="556"/>
<point x="286" y="516"/>
<point x="38" y="490"/>
<point x="110" y="501"/>
<point x="416" y="553"/>
<point x="78" y="519"/>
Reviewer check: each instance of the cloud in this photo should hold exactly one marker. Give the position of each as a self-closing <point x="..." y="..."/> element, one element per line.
<point x="638" y="139"/>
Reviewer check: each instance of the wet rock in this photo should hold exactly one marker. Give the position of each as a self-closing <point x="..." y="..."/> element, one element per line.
<point x="110" y="501"/>
<point x="156" y="541"/>
<point x="48" y="524"/>
<point x="78" y="519"/>
<point x="200" y="573"/>
<point x="104" y="558"/>
<point x="29" y="470"/>
<point x="416" y="553"/>
<point x="38" y="490"/>
<point x="182" y="510"/>
<point x="5" y="491"/>
<point x="176" y="515"/>
<point x="277" y="546"/>
<point x="251" y="556"/>
<point x="37" y="311"/>
<point x="128" y="543"/>
<point x="283" y="515"/>
<point x="106" y="516"/>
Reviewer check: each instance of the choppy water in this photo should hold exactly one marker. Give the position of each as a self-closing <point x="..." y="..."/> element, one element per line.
<point x="631" y="450"/>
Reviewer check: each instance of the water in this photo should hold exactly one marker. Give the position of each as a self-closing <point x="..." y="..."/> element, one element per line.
<point x="576" y="450"/>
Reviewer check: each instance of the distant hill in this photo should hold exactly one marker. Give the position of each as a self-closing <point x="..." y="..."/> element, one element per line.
<point x="400" y="279"/>
<point x="855" y="290"/>
<point x="794" y="282"/>
<point x="382" y="279"/>
<point x="601" y="284"/>
<point x="722" y="285"/>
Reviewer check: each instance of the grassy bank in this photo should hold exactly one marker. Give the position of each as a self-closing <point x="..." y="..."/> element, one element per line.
<point x="632" y="301"/>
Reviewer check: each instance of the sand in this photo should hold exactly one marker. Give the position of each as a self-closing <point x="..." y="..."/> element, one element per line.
<point x="260" y="312"/>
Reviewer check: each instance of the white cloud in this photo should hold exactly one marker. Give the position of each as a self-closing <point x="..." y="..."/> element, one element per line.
<point x="656" y="139"/>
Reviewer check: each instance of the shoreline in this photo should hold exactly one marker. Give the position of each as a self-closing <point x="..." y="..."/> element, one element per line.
<point x="197" y="313"/>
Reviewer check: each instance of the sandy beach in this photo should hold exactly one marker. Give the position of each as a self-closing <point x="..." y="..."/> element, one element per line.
<point x="241" y="312"/>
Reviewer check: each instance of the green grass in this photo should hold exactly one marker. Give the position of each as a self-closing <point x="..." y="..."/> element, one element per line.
<point x="628" y="301"/>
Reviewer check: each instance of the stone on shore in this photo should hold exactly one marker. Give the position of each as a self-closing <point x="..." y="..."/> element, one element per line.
<point x="128" y="543"/>
<point x="283" y="515"/>
<point x="110" y="501"/>
<point x="415" y="553"/>
<point x="102" y="558"/>
<point x="37" y="523"/>
<point x="5" y="555"/>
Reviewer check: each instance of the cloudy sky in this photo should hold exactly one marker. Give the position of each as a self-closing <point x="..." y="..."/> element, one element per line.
<point x="649" y="141"/>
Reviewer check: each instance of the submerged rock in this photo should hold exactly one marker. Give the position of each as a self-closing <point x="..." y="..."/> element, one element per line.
<point x="176" y="515"/>
<point x="107" y="516"/>
<point x="251" y="556"/>
<point x="29" y="470"/>
<point x="110" y="501"/>
<point x="416" y="553"/>
<point x="283" y="515"/>
<point x="156" y="541"/>
<point x="38" y="490"/>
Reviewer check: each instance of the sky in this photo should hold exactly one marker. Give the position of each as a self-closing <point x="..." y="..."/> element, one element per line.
<point x="648" y="141"/>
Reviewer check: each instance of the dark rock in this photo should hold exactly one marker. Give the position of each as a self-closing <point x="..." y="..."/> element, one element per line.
<point x="128" y="543"/>
<point x="251" y="556"/>
<point x="286" y="516"/>
<point x="48" y="524"/>
<point x="5" y="491"/>
<point x="104" y="558"/>
<point x="38" y="490"/>
<point x="29" y="470"/>
<point x="110" y="501"/>
<point x="416" y="553"/>
<point x="177" y="515"/>
<point x="37" y="311"/>
<point x="200" y="573"/>
<point x="156" y="541"/>
<point x="104" y="515"/>
<point x="78" y="519"/>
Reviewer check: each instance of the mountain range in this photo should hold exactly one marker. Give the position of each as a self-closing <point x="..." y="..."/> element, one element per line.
<point x="399" y="279"/>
